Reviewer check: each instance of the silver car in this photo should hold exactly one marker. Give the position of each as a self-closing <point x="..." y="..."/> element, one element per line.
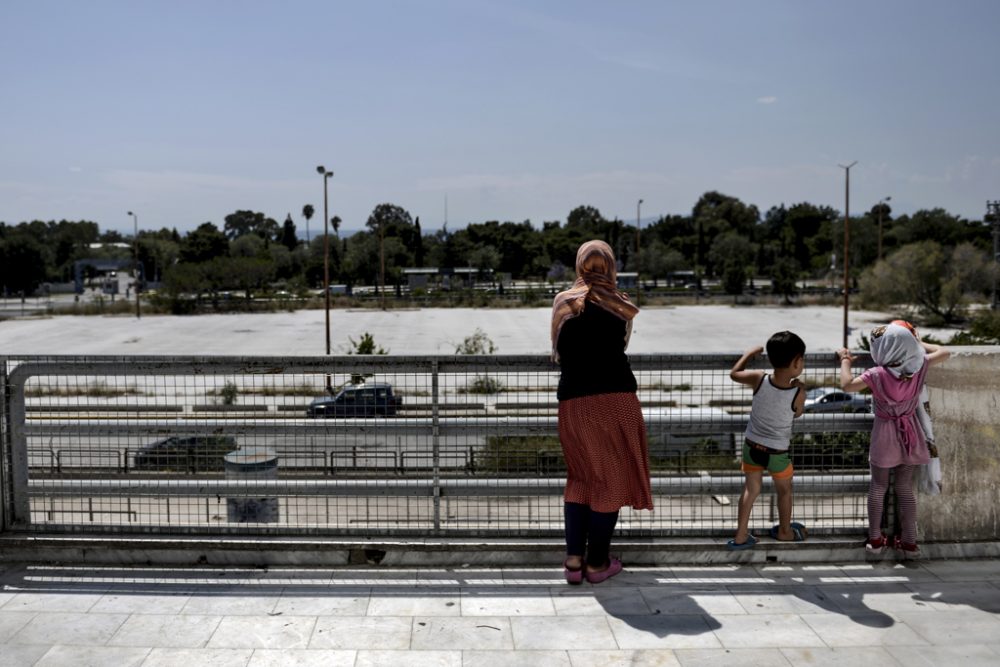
<point x="829" y="399"/>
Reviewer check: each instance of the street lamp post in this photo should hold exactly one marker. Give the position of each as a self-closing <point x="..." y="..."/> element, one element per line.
<point x="327" y="175"/>
<point x="881" y="206"/>
<point x="847" y="240"/>
<point x="381" y="259"/>
<point x="135" y="255"/>
<point x="638" y="256"/>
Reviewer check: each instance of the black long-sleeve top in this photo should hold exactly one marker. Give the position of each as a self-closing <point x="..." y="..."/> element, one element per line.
<point x="592" y="355"/>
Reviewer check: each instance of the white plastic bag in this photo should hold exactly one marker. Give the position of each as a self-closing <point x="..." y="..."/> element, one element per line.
<point x="930" y="477"/>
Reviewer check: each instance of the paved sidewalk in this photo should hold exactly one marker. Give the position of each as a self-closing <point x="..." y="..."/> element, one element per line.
<point x="927" y="613"/>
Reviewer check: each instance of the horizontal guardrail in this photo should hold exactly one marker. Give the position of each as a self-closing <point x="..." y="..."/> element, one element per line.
<point x="454" y="461"/>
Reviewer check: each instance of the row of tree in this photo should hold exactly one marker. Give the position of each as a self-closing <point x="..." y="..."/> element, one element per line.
<point x="722" y="238"/>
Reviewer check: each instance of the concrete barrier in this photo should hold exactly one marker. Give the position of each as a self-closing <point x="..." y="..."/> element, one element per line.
<point x="965" y="406"/>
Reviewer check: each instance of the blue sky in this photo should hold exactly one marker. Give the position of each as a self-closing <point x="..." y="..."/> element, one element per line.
<point x="186" y="111"/>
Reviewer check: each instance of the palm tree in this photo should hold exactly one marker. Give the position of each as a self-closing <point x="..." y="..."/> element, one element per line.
<point x="307" y="213"/>
<point x="335" y="222"/>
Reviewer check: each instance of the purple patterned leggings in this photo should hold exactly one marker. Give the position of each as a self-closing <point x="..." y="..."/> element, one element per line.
<point x="906" y="500"/>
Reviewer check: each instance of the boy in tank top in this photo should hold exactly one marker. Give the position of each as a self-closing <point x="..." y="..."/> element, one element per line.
<point x="778" y="398"/>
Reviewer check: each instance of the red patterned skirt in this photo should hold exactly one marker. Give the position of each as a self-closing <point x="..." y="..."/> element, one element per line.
<point x="604" y="443"/>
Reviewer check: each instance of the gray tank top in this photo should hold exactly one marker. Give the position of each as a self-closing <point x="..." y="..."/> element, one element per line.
<point x="771" y="415"/>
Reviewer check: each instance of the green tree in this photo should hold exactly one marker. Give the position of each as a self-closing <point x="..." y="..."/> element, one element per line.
<point x="732" y="255"/>
<point x="307" y="212"/>
<point x="204" y="244"/>
<point x="22" y="263"/>
<point x="784" y="271"/>
<point x="938" y="281"/>
<point x="251" y="222"/>
<point x="288" y="237"/>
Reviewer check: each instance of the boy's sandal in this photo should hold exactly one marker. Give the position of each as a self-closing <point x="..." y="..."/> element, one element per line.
<point x="749" y="544"/>
<point x="798" y="530"/>
<point x="614" y="567"/>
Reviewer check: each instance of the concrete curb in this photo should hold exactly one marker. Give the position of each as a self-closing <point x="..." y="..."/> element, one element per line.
<point x="455" y="552"/>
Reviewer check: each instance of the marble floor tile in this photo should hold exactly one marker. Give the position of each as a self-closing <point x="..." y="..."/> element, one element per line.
<point x="166" y="631"/>
<point x="69" y="628"/>
<point x="948" y="595"/>
<point x="744" y="657"/>
<point x="52" y="601"/>
<point x="596" y="601"/>
<point x="966" y="655"/>
<point x="200" y="657"/>
<point x="839" y="657"/>
<point x="784" y="600"/>
<point x="954" y="627"/>
<point x="428" y="658"/>
<point x="293" y="657"/>
<point x="515" y="659"/>
<point x="93" y="656"/>
<point x="228" y="604"/>
<point x="663" y="631"/>
<point x="687" y="600"/>
<point x="507" y="602"/>
<point x="886" y="598"/>
<point x="263" y="632"/>
<point x="13" y="621"/>
<point x="861" y="630"/>
<point x="125" y="603"/>
<point x="765" y="631"/>
<point x="327" y="601"/>
<point x="423" y="602"/>
<point x="463" y="633"/>
<point x="562" y="632"/>
<point x="624" y="658"/>
<point x="21" y="656"/>
<point x="364" y="632"/>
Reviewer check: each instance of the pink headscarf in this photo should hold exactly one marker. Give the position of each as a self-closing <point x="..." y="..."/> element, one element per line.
<point x="596" y="281"/>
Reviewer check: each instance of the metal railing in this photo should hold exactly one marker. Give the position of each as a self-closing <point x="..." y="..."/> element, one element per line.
<point x="472" y="450"/>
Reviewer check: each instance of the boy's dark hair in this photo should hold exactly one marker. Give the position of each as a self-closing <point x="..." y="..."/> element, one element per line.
<point x="783" y="347"/>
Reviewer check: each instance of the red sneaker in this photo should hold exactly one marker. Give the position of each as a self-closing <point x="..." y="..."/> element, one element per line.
<point x="876" y="546"/>
<point x="906" y="549"/>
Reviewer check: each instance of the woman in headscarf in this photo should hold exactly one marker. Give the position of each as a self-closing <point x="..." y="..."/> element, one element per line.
<point x="898" y="442"/>
<point x="601" y="428"/>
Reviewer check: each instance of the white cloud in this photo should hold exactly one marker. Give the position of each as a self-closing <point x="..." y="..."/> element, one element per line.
<point x="768" y="99"/>
<point x="76" y="170"/>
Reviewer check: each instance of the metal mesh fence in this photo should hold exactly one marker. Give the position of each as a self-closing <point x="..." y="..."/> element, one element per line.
<point x="387" y="445"/>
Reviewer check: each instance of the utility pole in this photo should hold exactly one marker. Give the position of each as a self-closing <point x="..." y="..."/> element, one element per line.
<point x="638" y="257"/>
<point x="993" y="215"/>
<point x="327" y="175"/>
<point x="847" y="241"/>
<point x="135" y="271"/>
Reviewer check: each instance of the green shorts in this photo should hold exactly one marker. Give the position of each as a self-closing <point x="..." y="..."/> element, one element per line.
<point x="758" y="458"/>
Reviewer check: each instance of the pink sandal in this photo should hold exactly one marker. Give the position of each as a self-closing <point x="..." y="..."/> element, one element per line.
<point x="613" y="568"/>
<point x="574" y="577"/>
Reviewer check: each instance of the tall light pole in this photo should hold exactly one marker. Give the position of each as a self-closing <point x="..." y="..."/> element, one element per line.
<point x="638" y="256"/>
<point x="327" y="175"/>
<point x="381" y="259"/>
<point x="135" y="269"/>
<point x="847" y="240"/>
<point x="881" y="206"/>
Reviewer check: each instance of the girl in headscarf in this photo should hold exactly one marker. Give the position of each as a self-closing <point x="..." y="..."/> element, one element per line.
<point x="898" y="443"/>
<point x="601" y="428"/>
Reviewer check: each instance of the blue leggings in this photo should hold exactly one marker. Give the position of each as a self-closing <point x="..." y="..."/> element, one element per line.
<point x="588" y="533"/>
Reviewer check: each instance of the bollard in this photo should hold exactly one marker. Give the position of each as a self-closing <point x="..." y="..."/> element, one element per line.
<point x="252" y="463"/>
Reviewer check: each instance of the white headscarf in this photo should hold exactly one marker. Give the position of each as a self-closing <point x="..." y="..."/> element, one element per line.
<point x="897" y="349"/>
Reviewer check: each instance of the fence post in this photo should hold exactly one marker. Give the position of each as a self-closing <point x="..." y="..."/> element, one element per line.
<point x="436" y="439"/>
